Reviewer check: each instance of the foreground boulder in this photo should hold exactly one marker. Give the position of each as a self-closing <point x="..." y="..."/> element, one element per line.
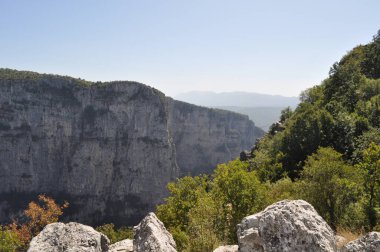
<point x="286" y="226"/>
<point x="122" y="246"/>
<point x="152" y="236"/>
<point x="369" y="243"/>
<point x="58" y="237"/>
<point x="227" y="248"/>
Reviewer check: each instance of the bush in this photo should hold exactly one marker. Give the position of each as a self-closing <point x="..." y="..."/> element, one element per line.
<point x="38" y="214"/>
<point x="114" y="234"/>
<point x="8" y="240"/>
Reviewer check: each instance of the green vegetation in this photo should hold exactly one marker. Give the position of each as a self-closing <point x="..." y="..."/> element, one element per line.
<point x="326" y="151"/>
<point x="115" y="234"/>
<point x="8" y="240"/>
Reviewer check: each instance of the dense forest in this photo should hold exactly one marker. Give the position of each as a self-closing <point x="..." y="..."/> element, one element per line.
<point x="326" y="151"/>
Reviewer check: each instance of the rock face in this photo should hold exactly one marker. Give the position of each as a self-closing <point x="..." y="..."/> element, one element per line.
<point x="286" y="226"/>
<point x="58" y="237"/>
<point x="122" y="246"/>
<point x="368" y="243"/>
<point x="107" y="148"/>
<point x="152" y="236"/>
<point x="227" y="248"/>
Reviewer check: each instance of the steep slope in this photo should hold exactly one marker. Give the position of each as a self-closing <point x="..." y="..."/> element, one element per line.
<point x="107" y="148"/>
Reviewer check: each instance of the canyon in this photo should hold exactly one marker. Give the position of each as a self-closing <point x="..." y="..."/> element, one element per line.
<point x="109" y="149"/>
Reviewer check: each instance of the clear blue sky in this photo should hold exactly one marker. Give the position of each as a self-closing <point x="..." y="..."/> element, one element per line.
<point x="275" y="47"/>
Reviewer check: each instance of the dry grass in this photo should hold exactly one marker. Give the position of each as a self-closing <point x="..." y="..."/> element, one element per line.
<point x="348" y="236"/>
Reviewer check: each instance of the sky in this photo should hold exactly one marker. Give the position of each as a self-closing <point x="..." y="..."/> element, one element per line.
<point x="273" y="47"/>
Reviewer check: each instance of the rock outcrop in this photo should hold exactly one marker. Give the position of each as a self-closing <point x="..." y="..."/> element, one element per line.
<point x="107" y="148"/>
<point x="227" y="248"/>
<point x="368" y="243"/>
<point x="58" y="237"/>
<point x="152" y="236"/>
<point x="286" y="226"/>
<point x="122" y="246"/>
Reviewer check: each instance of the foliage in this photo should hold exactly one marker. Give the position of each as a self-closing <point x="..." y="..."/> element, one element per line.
<point x="371" y="168"/>
<point x="284" y="188"/>
<point x="330" y="185"/>
<point x="38" y="215"/>
<point x="320" y="152"/>
<point x="237" y="193"/>
<point x="203" y="225"/>
<point x="8" y="240"/>
<point x="115" y="234"/>
<point x="202" y="212"/>
<point x="183" y="196"/>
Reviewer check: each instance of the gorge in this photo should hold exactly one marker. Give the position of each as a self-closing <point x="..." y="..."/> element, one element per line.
<point x="109" y="149"/>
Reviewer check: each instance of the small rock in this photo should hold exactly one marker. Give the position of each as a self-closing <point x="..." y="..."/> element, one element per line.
<point x="58" y="237"/>
<point x="286" y="226"/>
<point x="227" y="248"/>
<point x="152" y="236"/>
<point x="122" y="246"/>
<point x="368" y="243"/>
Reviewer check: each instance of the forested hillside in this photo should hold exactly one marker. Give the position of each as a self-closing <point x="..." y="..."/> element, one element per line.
<point x="326" y="151"/>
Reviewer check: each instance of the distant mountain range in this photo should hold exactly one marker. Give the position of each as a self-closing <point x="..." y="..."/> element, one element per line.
<point x="263" y="109"/>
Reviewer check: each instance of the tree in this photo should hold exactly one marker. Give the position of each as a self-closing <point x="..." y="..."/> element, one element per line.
<point x="330" y="185"/>
<point x="237" y="193"/>
<point x="184" y="195"/>
<point x="203" y="225"/>
<point x="115" y="234"/>
<point x="308" y="129"/>
<point x="371" y="168"/>
<point x="38" y="214"/>
<point x="371" y="63"/>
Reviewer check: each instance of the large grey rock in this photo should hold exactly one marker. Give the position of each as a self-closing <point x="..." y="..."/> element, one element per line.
<point x="108" y="148"/>
<point x="368" y="243"/>
<point x="152" y="236"/>
<point x="227" y="248"/>
<point x="71" y="237"/>
<point x="122" y="246"/>
<point x="286" y="226"/>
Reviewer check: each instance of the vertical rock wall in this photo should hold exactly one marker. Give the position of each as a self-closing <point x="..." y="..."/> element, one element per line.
<point x="107" y="148"/>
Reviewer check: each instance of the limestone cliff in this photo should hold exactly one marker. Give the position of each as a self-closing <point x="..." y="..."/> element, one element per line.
<point x="107" y="148"/>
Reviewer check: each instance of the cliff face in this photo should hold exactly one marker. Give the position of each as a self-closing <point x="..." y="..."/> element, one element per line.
<point x="107" y="148"/>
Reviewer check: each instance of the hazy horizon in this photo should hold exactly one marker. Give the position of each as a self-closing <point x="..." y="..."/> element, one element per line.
<point x="271" y="47"/>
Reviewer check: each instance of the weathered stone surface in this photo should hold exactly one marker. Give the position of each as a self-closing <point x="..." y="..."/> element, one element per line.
<point x="286" y="226"/>
<point x="122" y="246"/>
<point x="368" y="243"/>
<point x="58" y="237"/>
<point x="107" y="148"/>
<point x="340" y="241"/>
<point x="227" y="248"/>
<point x="152" y="236"/>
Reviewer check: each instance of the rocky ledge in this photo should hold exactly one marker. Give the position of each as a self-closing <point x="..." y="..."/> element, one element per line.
<point x="284" y="226"/>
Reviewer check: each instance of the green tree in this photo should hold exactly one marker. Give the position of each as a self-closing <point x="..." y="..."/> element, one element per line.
<point x="330" y="185"/>
<point x="238" y="193"/>
<point x="184" y="195"/>
<point x="308" y="129"/>
<point x="203" y="225"/>
<point x="283" y="189"/>
<point x="371" y="63"/>
<point x="115" y="234"/>
<point x="371" y="168"/>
